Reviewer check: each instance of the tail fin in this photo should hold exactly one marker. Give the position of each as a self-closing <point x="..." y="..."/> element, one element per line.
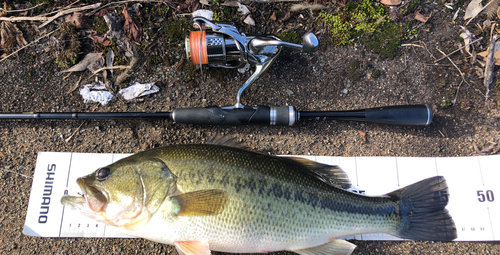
<point x="423" y="213"/>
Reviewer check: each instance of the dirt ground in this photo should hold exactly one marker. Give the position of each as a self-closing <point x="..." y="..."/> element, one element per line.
<point x="32" y="81"/>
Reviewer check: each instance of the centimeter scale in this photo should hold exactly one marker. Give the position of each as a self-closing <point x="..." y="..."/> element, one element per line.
<point x="474" y="187"/>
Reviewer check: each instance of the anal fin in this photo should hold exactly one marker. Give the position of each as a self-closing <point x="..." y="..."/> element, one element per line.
<point x="192" y="247"/>
<point x="334" y="247"/>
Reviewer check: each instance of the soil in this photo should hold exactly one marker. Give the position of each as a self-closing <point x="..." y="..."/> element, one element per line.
<point x="31" y="81"/>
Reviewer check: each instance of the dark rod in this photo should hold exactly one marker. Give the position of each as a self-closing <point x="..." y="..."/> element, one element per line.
<point x="89" y="115"/>
<point x="407" y="115"/>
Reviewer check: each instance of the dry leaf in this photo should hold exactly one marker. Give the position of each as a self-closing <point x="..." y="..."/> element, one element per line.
<point x="363" y="135"/>
<point x="498" y="12"/>
<point x="10" y="33"/>
<point x="131" y="27"/>
<point x="78" y="20"/>
<point x="110" y="58"/>
<point x="103" y="40"/>
<point x="96" y="64"/>
<point x="391" y="2"/>
<point x="421" y="17"/>
<point x="87" y="60"/>
<point x="467" y="36"/>
<point x="473" y="9"/>
<point x="496" y="55"/>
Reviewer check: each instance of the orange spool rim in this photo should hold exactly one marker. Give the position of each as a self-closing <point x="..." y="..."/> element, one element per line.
<point x="198" y="41"/>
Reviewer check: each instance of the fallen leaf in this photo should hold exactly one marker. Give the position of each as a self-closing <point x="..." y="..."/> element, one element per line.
<point x="467" y="36"/>
<point x="420" y="17"/>
<point x="498" y="12"/>
<point x="249" y="21"/>
<point x="2" y="155"/>
<point x="9" y="34"/>
<point x="87" y="60"/>
<point x="496" y="56"/>
<point x="110" y="58"/>
<point x="473" y="9"/>
<point x="131" y="27"/>
<point x="95" y="65"/>
<point x="243" y="9"/>
<point x="103" y="40"/>
<point x="391" y="2"/>
<point x="78" y="20"/>
<point x="363" y="135"/>
<point x="204" y="2"/>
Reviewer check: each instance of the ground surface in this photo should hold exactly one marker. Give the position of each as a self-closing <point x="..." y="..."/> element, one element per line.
<point x="31" y="81"/>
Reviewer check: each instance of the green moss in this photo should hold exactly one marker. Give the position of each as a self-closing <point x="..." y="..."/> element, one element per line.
<point x="385" y="40"/>
<point x="412" y="6"/>
<point x="354" y="70"/>
<point x="445" y="103"/>
<point x="175" y="31"/>
<point x="99" y="25"/>
<point x="376" y="73"/>
<point x="354" y="20"/>
<point x="290" y="36"/>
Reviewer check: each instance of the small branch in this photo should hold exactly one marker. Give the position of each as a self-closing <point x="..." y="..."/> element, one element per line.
<point x="490" y="65"/>
<point x="50" y="19"/>
<point x="71" y="136"/>
<point x="8" y="11"/>
<point x="9" y="171"/>
<point x="38" y="39"/>
<point x="458" y="49"/>
<point x="110" y="68"/>
<point x="461" y="74"/>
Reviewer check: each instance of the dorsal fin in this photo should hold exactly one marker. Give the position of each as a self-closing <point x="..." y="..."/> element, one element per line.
<point x="227" y="141"/>
<point x="331" y="175"/>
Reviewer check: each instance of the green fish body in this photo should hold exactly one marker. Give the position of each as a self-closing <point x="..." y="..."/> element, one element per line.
<point x="211" y="197"/>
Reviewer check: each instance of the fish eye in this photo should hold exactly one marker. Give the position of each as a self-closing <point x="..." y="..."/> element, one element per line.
<point x="102" y="174"/>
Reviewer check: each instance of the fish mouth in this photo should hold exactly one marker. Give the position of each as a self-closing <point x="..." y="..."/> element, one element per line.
<point x="93" y="196"/>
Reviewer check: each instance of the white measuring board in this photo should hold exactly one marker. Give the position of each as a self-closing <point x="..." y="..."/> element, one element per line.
<point x="474" y="188"/>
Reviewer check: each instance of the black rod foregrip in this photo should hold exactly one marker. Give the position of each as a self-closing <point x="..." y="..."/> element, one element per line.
<point x="219" y="116"/>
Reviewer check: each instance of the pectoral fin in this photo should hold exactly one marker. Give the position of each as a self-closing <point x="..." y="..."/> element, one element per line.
<point x="200" y="203"/>
<point x="192" y="247"/>
<point x="334" y="247"/>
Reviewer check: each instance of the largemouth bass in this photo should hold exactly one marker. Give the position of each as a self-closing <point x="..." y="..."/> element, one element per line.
<point x="211" y="197"/>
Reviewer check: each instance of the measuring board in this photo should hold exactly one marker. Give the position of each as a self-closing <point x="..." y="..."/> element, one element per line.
<point x="474" y="187"/>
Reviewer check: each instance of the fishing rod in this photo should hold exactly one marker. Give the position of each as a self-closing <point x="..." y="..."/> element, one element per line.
<point x="222" y="45"/>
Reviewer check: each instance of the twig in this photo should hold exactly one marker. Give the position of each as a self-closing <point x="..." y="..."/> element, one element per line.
<point x="490" y="65"/>
<point x="461" y="74"/>
<point x="7" y="11"/>
<point x="410" y="44"/>
<point x="76" y="85"/>
<point x="78" y="129"/>
<point x="458" y="49"/>
<point x="456" y="94"/>
<point x="50" y="19"/>
<point x="110" y="68"/>
<point x="9" y="171"/>
<point x="122" y="2"/>
<point x="38" y="39"/>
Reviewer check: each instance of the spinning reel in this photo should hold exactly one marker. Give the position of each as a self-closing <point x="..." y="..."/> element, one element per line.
<point x="223" y="46"/>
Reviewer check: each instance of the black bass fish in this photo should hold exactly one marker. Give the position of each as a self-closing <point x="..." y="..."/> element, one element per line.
<point x="211" y="197"/>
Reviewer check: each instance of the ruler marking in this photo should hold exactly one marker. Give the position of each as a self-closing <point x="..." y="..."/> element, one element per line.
<point x="356" y="167"/>
<point x="67" y="182"/>
<point x="397" y="171"/>
<point x="480" y="170"/>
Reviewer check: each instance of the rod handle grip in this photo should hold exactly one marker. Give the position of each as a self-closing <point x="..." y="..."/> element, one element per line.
<point x="238" y="116"/>
<point x="407" y="115"/>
